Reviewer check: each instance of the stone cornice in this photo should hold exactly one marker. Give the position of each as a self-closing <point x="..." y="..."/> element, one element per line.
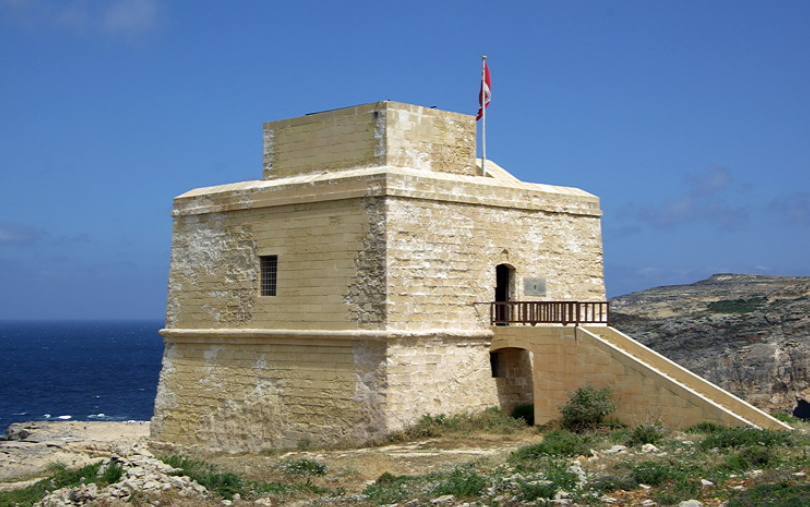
<point x="387" y="182"/>
<point x="248" y="336"/>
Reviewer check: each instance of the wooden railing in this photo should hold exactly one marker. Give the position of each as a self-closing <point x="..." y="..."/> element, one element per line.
<point x="549" y="312"/>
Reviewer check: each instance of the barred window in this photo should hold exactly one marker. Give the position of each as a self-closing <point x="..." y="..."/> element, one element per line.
<point x="269" y="268"/>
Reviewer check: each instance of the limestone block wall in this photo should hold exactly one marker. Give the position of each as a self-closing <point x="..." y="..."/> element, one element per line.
<point x="442" y="259"/>
<point x="330" y="257"/>
<point x="566" y="358"/>
<point x="439" y="374"/>
<point x="429" y="139"/>
<point x="249" y="393"/>
<point x="245" y="391"/>
<point x="376" y="134"/>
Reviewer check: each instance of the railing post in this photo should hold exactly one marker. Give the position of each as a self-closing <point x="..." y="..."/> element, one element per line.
<point x="545" y="312"/>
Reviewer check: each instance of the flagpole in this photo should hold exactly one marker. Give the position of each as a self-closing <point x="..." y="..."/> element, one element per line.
<point x="483" y="119"/>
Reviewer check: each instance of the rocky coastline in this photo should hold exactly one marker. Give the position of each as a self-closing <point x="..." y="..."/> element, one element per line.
<point x="28" y="449"/>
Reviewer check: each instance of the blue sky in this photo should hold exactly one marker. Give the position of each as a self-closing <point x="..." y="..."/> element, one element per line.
<point x="689" y="119"/>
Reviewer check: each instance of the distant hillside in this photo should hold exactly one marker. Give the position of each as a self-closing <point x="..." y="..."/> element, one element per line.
<point x="749" y="334"/>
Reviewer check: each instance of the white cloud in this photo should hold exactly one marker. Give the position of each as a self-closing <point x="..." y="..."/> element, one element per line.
<point x="700" y="203"/>
<point x="18" y="234"/>
<point x="130" y="17"/>
<point x="714" y="179"/>
<point x="122" y="18"/>
<point x="792" y="208"/>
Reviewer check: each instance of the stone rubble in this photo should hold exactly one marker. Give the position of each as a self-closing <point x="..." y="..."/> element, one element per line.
<point x="143" y="475"/>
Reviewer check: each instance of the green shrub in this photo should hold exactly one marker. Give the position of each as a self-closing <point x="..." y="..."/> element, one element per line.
<point x="536" y="490"/>
<point x="111" y="473"/>
<point x="651" y="473"/>
<point x="782" y="494"/>
<point x="681" y="489"/>
<point x="64" y="477"/>
<point x="786" y="418"/>
<point x="490" y="420"/>
<point x="461" y="483"/>
<point x="751" y="457"/>
<point x="61" y="477"/>
<point x="390" y="489"/>
<point x="705" y="427"/>
<point x="556" y="478"/>
<point x="559" y="475"/>
<point x="561" y="443"/>
<point x="493" y="420"/>
<point x="587" y="407"/>
<point x="609" y="483"/>
<point x="646" y="434"/>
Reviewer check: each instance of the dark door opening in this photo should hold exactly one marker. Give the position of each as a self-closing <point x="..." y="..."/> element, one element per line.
<point x="503" y="284"/>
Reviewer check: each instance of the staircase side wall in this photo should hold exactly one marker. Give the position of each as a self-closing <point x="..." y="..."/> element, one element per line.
<point x="683" y="376"/>
<point x="566" y="358"/>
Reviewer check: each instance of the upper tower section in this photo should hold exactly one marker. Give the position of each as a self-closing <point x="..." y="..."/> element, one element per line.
<point x="377" y="134"/>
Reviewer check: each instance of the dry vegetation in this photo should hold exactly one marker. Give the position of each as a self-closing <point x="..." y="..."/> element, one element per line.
<point x="490" y="459"/>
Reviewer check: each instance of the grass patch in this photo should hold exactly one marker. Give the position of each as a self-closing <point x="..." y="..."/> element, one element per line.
<point x="61" y="477"/>
<point x="786" y="418"/>
<point x="302" y="467"/>
<point x="705" y="427"/>
<point x="782" y="494"/>
<point x="224" y="484"/>
<point x="461" y="483"/>
<point x="739" y="437"/>
<point x="557" y="443"/>
<point x="646" y="434"/>
<point x="752" y="457"/>
<point x="391" y="489"/>
<point x="490" y="420"/>
<point x="652" y="473"/>
<point x="556" y="477"/>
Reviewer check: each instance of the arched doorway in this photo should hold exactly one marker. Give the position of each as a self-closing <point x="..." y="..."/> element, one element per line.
<point x="512" y="371"/>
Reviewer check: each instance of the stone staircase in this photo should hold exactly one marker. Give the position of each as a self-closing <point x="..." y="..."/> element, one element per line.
<point x="683" y="377"/>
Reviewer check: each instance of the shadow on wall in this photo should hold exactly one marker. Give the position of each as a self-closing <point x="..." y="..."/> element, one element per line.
<point x="512" y="371"/>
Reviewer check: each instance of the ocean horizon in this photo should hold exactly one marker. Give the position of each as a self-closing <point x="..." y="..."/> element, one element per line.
<point x="81" y="370"/>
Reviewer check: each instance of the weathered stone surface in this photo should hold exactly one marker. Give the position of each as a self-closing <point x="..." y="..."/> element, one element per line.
<point x="746" y="333"/>
<point x="387" y="236"/>
<point x="29" y="447"/>
<point x="377" y="134"/>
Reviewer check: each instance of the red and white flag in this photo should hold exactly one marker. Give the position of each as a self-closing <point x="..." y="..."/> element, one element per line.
<point x="486" y="92"/>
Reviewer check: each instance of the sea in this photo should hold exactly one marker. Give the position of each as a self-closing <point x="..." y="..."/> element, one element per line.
<point x="78" y="370"/>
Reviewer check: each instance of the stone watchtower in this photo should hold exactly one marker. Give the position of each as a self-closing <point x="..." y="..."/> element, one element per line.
<point x="340" y="297"/>
<point x="346" y="293"/>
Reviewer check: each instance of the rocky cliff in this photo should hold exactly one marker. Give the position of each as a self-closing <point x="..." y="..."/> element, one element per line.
<point x="749" y="334"/>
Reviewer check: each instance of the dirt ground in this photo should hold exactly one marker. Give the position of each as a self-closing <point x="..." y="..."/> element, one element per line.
<point x="353" y="469"/>
<point x="36" y="445"/>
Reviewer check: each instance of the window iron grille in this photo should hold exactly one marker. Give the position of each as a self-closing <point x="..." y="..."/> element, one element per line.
<point x="269" y="269"/>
